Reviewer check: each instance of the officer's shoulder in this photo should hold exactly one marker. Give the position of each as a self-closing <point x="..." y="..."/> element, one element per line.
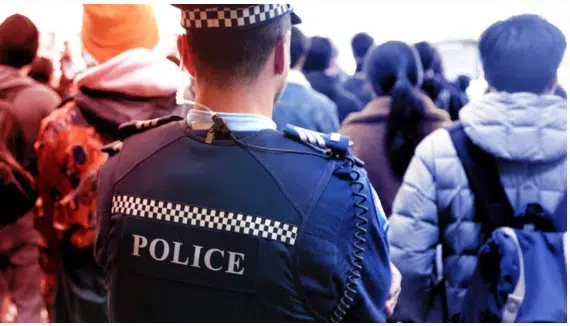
<point x="113" y="148"/>
<point x="135" y="128"/>
<point x="131" y="128"/>
<point x="333" y="143"/>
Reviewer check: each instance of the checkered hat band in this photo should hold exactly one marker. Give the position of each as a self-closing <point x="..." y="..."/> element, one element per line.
<point x="205" y="218"/>
<point x="232" y="18"/>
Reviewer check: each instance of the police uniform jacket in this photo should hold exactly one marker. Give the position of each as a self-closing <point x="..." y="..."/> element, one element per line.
<point x="199" y="230"/>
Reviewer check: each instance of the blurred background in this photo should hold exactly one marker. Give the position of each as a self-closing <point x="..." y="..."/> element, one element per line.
<point x="452" y="25"/>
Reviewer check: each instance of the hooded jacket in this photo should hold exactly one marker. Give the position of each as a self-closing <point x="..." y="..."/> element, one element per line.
<point x="135" y="85"/>
<point x="526" y="133"/>
<point x="367" y="129"/>
<point x="30" y="102"/>
<point x="23" y="104"/>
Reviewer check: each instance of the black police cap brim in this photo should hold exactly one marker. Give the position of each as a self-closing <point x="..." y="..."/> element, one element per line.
<point x="185" y="6"/>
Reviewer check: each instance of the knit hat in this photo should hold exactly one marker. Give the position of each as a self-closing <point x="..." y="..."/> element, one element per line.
<point x="111" y="29"/>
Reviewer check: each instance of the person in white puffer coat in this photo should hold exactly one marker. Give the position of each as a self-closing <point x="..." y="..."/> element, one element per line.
<point x="523" y="126"/>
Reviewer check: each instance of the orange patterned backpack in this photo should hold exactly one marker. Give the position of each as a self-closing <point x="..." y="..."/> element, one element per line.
<point x="69" y="156"/>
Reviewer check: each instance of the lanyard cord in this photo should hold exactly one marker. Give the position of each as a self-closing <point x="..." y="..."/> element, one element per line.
<point x="220" y="126"/>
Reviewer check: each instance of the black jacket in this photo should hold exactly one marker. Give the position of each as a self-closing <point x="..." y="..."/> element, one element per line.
<point x="357" y="85"/>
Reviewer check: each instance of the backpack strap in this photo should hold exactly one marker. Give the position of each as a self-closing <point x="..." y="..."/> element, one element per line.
<point x="564" y="246"/>
<point x="492" y="206"/>
<point x="515" y="299"/>
<point x="560" y="215"/>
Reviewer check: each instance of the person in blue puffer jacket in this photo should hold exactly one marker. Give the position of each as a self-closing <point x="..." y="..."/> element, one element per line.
<point x="523" y="126"/>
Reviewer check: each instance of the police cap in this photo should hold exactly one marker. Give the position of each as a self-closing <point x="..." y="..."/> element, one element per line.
<point x="232" y="16"/>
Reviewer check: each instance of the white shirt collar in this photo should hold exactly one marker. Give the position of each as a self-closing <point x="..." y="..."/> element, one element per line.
<point x="202" y="120"/>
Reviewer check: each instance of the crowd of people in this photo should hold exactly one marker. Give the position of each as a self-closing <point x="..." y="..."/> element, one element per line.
<point x="57" y="236"/>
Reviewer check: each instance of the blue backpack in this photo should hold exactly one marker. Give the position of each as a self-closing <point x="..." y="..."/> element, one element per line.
<point x="521" y="271"/>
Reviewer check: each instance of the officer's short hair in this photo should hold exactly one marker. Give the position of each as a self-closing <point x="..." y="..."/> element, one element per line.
<point x="19" y="41"/>
<point x="235" y="55"/>
<point x="361" y="43"/>
<point x="299" y="46"/>
<point x="522" y="54"/>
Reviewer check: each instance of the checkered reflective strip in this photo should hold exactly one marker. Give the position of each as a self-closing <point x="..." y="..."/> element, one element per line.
<point x="205" y="218"/>
<point x="227" y="17"/>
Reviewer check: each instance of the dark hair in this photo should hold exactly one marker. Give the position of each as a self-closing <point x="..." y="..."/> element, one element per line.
<point x="522" y="54"/>
<point x="430" y="58"/>
<point x="361" y="43"/>
<point x="462" y="82"/>
<point x="227" y="56"/>
<point x="393" y="69"/>
<point x="321" y="52"/>
<point x="19" y="41"/>
<point x="299" y="46"/>
<point x="444" y="94"/>
<point x="433" y="69"/>
<point x="42" y="70"/>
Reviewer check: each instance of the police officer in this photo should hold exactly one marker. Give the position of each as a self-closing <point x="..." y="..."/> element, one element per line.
<point x="219" y="217"/>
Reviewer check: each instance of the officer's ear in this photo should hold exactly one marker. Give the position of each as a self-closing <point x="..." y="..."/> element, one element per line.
<point x="185" y="55"/>
<point x="281" y="55"/>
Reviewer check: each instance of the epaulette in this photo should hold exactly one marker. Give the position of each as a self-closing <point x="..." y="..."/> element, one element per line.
<point x="112" y="148"/>
<point x="335" y="142"/>
<point x="134" y="127"/>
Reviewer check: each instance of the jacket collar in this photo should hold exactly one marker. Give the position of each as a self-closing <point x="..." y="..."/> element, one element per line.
<point x="12" y="77"/>
<point x="136" y="72"/>
<point x="520" y="127"/>
<point x="202" y="120"/>
<point x="379" y="109"/>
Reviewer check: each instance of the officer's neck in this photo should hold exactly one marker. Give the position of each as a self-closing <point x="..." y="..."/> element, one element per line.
<point x="250" y="99"/>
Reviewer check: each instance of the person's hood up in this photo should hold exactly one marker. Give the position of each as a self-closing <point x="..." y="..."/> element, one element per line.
<point x="137" y="72"/>
<point x="135" y="85"/>
<point x="521" y="127"/>
<point x="11" y="77"/>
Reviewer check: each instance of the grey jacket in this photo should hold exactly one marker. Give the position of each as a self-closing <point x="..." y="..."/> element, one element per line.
<point x="30" y="102"/>
<point x="527" y="135"/>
